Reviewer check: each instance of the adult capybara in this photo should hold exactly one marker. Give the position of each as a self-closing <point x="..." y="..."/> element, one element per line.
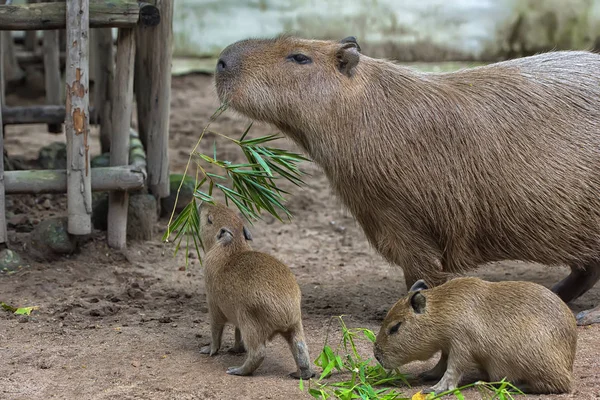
<point x="443" y="171"/>
<point x="251" y="290"/>
<point x="520" y="331"/>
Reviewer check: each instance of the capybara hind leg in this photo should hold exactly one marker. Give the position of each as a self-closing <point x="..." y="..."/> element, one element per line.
<point x="437" y="372"/>
<point x="255" y="345"/>
<point x="540" y="387"/>
<point x="255" y="357"/>
<point x="579" y="281"/>
<point x="238" y="346"/>
<point x="295" y="339"/>
<point x="589" y="317"/>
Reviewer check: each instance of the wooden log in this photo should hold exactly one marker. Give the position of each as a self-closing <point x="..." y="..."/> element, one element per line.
<point x="3" y="235"/>
<point x="79" y="190"/>
<point x="37" y="115"/>
<point x="25" y="58"/>
<point x="103" y="14"/>
<point x="153" y="95"/>
<point x="118" y="202"/>
<point x="104" y="179"/>
<point x="52" y="75"/>
<point x="103" y="85"/>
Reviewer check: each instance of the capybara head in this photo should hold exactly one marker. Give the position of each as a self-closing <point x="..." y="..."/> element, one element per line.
<point x="407" y="332"/>
<point x="282" y="80"/>
<point x="220" y="224"/>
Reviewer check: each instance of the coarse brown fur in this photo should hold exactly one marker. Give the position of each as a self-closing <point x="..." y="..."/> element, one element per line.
<point x="520" y="331"/>
<point x="443" y="171"/>
<point x="251" y="290"/>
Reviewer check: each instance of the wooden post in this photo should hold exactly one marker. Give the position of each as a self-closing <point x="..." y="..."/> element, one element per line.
<point x="12" y="70"/>
<point x="3" y="235"/>
<point x="153" y="95"/>
<point x="103" y="85"/>
<point x="31" y="36"/>
<point x="79" y="193"/>
<point x="52" y="74"/>
<point x="118" y="202"/>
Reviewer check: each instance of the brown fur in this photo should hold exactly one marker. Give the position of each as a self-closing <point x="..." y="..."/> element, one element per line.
<point x="515" y="330"/>
<point x="443" y="171"/>
<point x="251" y="290"/>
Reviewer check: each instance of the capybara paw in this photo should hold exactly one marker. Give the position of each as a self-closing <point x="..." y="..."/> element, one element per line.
<point x="588" y="317"/>
<point x="237" y="350"/>
<point x="236" y="371"/>
<point x="432" y="390"/>
<point x="306" y="374"/>
<point x="208" y="350"/>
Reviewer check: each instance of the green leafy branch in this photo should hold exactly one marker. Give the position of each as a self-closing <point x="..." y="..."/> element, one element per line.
<point x="368" y="381"/>
<point x="251" y="186"/>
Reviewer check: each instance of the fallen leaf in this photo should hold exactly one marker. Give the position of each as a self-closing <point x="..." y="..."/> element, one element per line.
<point x="25" y="310"/>
<point x="419" y="396"/>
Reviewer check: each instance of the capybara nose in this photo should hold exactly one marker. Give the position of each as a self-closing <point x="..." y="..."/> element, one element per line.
<point x="229" y="59"/>
<point x="221" y="65"/>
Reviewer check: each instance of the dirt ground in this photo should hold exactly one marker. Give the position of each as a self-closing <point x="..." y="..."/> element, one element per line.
<point x="129" y="326"/>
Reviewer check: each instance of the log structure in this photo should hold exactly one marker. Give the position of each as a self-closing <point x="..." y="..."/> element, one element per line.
<point x="87" y="55"/>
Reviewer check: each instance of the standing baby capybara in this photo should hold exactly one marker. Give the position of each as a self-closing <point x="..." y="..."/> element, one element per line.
<point x="251" y="290"/>
<point x="520" y="331"/>
<point x="443" y="171"/>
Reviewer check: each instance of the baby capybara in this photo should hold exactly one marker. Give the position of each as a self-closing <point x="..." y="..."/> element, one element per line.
<point x="254" y="291"/>
<point x="520" y="331"/>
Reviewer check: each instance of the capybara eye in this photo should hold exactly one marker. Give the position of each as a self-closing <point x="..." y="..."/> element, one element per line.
<point x="299" y="58"/>
<point x="395" y="328"/>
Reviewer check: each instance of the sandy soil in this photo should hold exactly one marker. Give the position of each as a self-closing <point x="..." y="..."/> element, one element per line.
<point x="129" y="326"/>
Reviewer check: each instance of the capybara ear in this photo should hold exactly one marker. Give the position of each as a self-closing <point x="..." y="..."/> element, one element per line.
<point x="418" y="302"/>
<point x="348" y="57"/>
<point x="225" y="236"/>
<point x="350" y="39"/>
<point x="419" y="285"/>
<point x="247" y="234"/>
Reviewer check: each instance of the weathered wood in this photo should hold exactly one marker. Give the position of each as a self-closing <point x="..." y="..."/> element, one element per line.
<point x="103" y="14"/>
<point x="3" y="235"/>
<point x="12" y="70"/>
<point x="31" y="40"/>
<point x="52" y="76"/>
<point x="103" y="85"/>
<point x="79" y="192"/>
<point x="104" y="179"/>
<point x="153" y="95"/>
<point x="37" y="115"/>
<point x="25" y="58"/>
<point x="118" y="202"/>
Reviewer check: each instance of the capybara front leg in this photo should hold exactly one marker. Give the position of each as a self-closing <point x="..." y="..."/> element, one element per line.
<point x="451" y="377"/>
<point x="297" y="343"/>
<point x="579" y="281"/>
<point x="238" y="346"/>
<point x="217" y="323"/>
<point x="437" y="372"/>
<point x="589" y="317"/>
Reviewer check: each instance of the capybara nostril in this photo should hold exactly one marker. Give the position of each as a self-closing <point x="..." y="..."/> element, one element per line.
<point x="221" y="65"/>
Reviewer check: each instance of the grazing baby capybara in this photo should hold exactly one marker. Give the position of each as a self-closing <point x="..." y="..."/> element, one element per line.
<point x="251" y="290"/>
<point x="443" y="171"/>
<point x="520" y="331"/>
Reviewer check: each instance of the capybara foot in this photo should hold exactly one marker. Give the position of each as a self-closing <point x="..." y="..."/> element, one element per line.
<point x="305" y="374"/>
<point x="237" y="350"/>
<point x="589" y="317"/>
<point x="208" y="350"/>
<point x="239" y="371"/>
